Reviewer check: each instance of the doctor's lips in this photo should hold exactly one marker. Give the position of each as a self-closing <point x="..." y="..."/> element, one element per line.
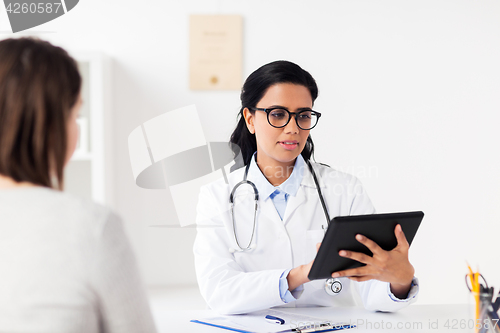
<point x="289" y="144"/>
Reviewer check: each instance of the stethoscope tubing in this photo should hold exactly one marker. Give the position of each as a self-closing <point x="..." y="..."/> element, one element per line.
<point x="332" y="286"/>
<point x="256" y="198"/>
<point x="231" y="200"/>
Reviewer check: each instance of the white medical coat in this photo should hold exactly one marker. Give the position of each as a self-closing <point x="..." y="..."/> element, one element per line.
<point x="243" y="282"/>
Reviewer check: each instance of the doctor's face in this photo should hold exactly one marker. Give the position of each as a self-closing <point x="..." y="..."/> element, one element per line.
<point x="279" y="146"/>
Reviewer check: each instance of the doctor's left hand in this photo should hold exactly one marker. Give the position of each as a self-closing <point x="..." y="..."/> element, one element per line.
<point x="388" y="266"/>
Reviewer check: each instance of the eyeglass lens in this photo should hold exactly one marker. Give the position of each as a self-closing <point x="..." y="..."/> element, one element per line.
<point x="305" y="119"/>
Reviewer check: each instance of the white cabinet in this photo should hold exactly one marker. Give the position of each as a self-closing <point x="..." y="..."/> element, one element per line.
<point x="88" y="172"/>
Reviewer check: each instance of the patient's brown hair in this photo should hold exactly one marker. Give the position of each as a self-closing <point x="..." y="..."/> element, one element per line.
<point x="39" y="85"/>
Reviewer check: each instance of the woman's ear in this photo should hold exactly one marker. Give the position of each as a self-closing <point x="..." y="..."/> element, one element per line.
<point x="249" y="120"/>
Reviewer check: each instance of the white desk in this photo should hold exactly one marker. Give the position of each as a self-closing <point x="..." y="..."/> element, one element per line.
<point x="416" y="318"/>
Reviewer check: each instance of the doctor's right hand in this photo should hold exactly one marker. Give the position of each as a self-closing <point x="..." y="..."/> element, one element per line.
<point x="388" y="266"/>
<point x="298" y="275"/>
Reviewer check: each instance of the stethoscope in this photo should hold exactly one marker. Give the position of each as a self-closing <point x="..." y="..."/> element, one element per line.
<point x="332" y="286"/>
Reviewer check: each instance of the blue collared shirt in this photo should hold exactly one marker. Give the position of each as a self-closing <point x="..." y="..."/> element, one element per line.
<point x="278" y="194"/>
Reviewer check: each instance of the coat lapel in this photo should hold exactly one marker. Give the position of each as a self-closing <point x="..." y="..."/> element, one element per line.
<point x="268" y="210"/>
<point x="306" y="190"/>
<point x="294" y="202"/>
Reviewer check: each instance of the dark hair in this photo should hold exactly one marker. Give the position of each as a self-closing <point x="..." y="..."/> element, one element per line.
<point x="252" y="92"/>
<point x="39" y="85"/>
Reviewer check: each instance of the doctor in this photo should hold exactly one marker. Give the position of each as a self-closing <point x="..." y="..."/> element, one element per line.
<point x="257" y="252"/>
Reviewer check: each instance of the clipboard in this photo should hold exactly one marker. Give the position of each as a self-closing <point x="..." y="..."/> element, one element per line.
<point x="326" y="328"/>
<point x="255" y="322"/>
<point x="219" y="326"/>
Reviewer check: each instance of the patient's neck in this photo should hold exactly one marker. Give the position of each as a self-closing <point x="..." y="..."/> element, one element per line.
<point x="7" y="182"/>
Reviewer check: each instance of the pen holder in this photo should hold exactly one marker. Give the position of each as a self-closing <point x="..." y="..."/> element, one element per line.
<point x="486" y="304"/>
<point x="485" y="315"/>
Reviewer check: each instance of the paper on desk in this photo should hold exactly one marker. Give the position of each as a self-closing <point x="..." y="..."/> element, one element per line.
<point x="256" y="322"/>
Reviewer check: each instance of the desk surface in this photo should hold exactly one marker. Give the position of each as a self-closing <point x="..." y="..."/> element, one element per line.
<point x="415" y="318"/>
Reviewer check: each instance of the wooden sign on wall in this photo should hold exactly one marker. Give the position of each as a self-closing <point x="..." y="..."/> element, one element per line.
<point x="215" y="52"/>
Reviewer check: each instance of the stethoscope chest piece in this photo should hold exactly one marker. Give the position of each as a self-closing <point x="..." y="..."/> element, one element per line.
<point x="333" y="286"/>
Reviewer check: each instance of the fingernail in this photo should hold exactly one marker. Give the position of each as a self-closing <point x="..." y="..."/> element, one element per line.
<point x="342" y="253"/>
<point x="335" y="275"/>
<point x="359" y="237"/>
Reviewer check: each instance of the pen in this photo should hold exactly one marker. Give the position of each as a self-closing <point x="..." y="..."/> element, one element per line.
<point x="474" y="283"/>
<point x="275" y="320"/>
<point x="476" y="290"/>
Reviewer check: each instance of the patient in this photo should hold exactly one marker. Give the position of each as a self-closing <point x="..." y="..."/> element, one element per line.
<point x="65" y="264"/>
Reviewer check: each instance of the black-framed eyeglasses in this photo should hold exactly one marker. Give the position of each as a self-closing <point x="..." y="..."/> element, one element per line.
<point x="280" y="117"/>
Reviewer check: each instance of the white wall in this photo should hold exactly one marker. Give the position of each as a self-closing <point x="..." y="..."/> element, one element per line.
<point x="410" y="91"/>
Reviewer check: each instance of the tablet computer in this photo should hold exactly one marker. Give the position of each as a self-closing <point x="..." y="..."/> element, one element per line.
<point x="341" y="235"/>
